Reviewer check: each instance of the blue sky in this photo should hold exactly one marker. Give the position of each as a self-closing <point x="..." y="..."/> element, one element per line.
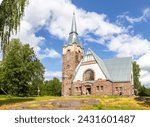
<point x="111" y="28"/>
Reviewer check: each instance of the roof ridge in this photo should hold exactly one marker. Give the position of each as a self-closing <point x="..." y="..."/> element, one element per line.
<point x="102" y="65"/>
<point x="117" y="58"/>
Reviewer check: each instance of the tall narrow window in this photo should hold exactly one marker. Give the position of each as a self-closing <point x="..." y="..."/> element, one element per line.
<point x="68" y="55"/>
<point x="120" y="88"/>
<point x="76" y="88"/>
<point x="102" y="88"/>
<point x="97" y="88"/>
<point x="116" y="88"/>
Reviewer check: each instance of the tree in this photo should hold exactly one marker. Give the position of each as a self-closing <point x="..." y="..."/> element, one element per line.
<point x="136" y="76"/>
<point x="51" y="87"/>
<point x="21" y="69"/>
<point x="11" y="12"/>
<point x="55" y="87"/>
<point x="1" y="78"/>
<point x="141" y="89"/>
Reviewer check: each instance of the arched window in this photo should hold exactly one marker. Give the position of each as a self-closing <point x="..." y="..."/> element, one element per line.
<point x="88" y="75"/>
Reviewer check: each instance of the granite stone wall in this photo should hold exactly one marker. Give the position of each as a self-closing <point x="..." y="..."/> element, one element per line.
<point x="102" y="87"/>
<point x="71" y="59"/>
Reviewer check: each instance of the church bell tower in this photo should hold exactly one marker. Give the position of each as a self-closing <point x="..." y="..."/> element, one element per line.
<point x="72" y="55"/>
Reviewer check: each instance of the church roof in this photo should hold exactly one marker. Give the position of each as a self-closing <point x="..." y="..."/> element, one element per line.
<point x="119" y="69"/>
<point x="73" y="35"/>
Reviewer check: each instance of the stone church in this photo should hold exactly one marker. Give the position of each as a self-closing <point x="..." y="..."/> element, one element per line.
<point x="88" y="74"/>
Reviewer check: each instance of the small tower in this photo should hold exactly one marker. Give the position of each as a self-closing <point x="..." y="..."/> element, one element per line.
<point x="72" y="55"/>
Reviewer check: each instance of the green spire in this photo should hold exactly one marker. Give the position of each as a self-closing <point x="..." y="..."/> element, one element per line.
<point x="73" y="35"/>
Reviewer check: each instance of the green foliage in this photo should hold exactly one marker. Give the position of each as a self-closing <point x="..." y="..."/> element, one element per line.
<point x="11" y="12"/>
<point x="147" y="91"/>
<point x="5" y="100"/>
<point x="141" y="90"/>
<point x="51" y="87"/>
<point x="21" y="71"/>
<point x="144" y="91"/>
<point x="1" y="73"/>
<point x="136" y="76"/>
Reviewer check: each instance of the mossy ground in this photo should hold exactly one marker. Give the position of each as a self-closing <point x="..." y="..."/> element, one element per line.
<point x="106" y="102"/>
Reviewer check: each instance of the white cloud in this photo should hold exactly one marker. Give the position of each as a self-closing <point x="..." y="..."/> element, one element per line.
<point x="47" y="53"/>
<point x="87" y="22"/>
<point x="51" y="53"/>
<point x="1" y="1"/>
<point x="27" y="34"/>
<point x="50" y="74"/>
<point x="145" y="77"/>
<point x="144" y="62"/>
<point x="127" y="45"/>
<point x="57" y="21"/>
<point x="143" y="18"/>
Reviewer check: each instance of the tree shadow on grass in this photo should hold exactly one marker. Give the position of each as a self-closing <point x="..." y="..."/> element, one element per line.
<point x="14" y="100"/>
<point x="145" y="100"/>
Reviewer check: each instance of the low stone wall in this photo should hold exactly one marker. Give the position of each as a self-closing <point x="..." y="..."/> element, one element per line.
<point x="125" y="89"/>
<point x="102" y="87"/>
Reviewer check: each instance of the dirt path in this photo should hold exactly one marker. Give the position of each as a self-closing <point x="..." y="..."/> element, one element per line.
<point x="58" y="104"/>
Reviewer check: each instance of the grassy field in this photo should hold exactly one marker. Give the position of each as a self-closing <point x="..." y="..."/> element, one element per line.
<point x="106" y="102"/>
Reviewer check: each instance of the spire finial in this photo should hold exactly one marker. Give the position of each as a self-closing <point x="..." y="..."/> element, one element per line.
<point x="73" y="27"/>
<point x="74" y="13"/>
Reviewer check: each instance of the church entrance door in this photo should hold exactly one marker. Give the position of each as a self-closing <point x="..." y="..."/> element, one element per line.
<point x="88" y="91"/>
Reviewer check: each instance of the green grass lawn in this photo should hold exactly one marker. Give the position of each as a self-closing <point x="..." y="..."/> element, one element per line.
<point x="106" y="102"/>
